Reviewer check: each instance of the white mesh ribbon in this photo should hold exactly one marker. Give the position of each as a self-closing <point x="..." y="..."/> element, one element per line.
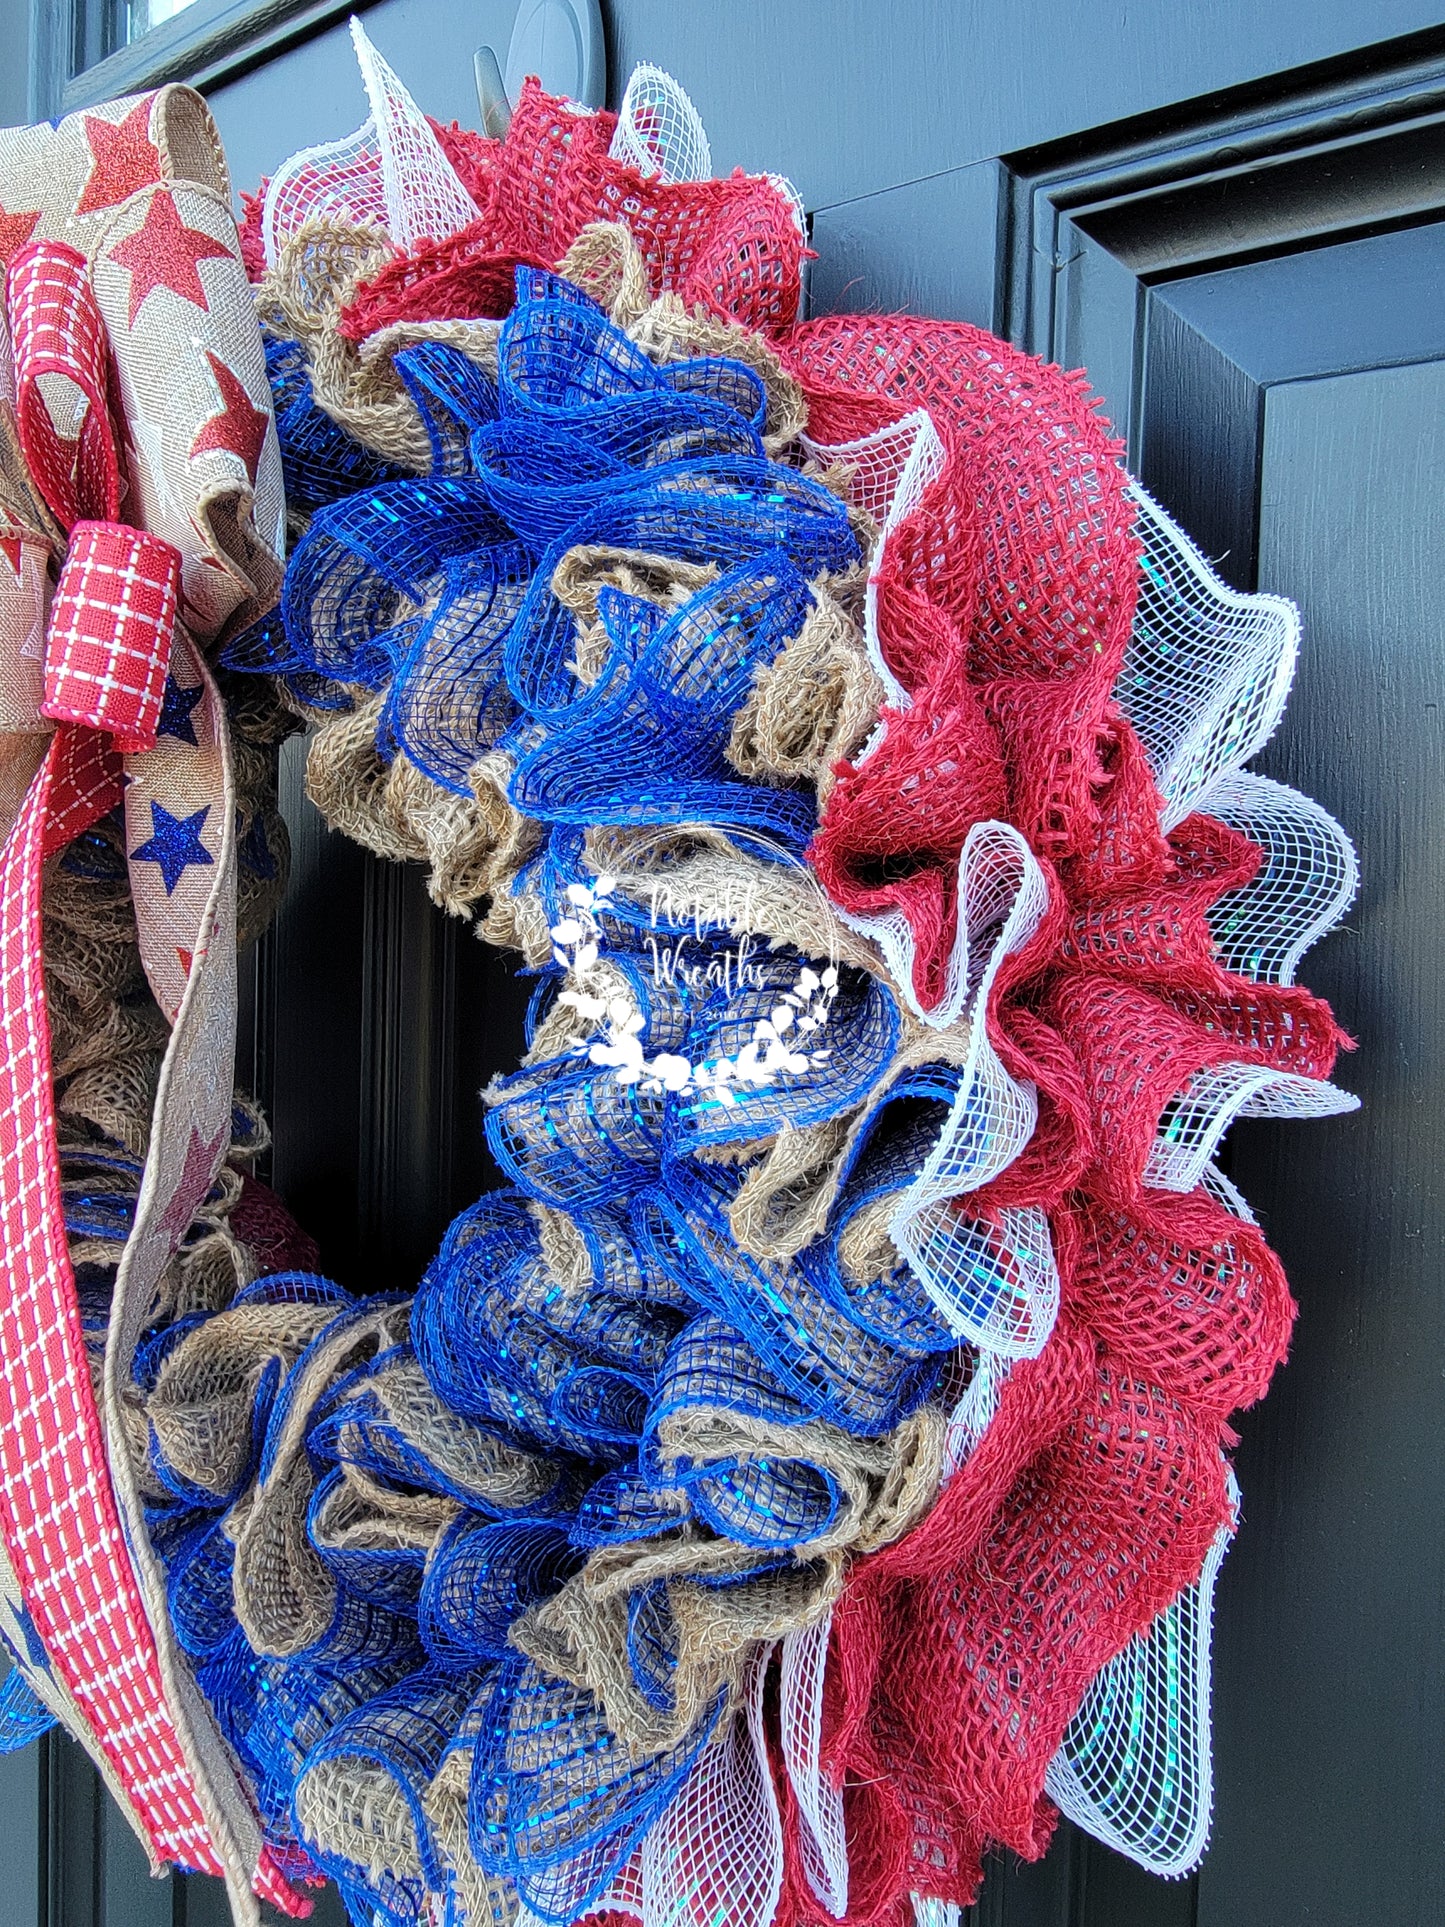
<point x="1194" y="1122"/>
<point x="936" y="1913"/>
<point x="995" y="1283"/>
<point x="390" y="174"/>
<point x="823" y="1836"/>
<point x="888" y="473"/>
<point x="1208" y="669"/>
<point x="1305" y="884"/>
<point x="1135" y="1767"/>
<point x="659" y="131"/>
<point x="973" y="1411"/>
<point x="1204" y="683"/>
<point x="717" y="1849"/>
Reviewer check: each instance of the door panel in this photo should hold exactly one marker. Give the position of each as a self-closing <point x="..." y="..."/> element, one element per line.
<point x="1330" y="1692"/>
<point x="1289" y="411"/>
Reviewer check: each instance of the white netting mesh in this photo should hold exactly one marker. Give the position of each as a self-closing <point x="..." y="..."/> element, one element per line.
<point x="390" y="174"/>
<point x="794" y="200"/>
<point x="337" y="180"/>
<point x="659" y="131"/>
<point x="996" y="1284"/>
<point x="1135" y="1769"/>
<point x="1207" y="671"/>
<point x="823" y="1835"/>
<point x="424" y="198"/>
<point x="1193" y="1122"/>
<point x="974" y="1410"/>
<point x="889" y="470"/>
<point x="1225" y="1192"/>
<point x="935" y="1913"/>
<point x="1304" y="886"/>
<point x="716" y="1852"/>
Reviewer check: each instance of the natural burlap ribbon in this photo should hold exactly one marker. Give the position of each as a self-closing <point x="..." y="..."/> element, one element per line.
<point x="119" y="246"/>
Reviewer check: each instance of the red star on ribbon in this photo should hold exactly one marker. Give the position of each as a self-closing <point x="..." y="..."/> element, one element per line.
<point x="15" y="231"/>
<point x="240" y="427"/>
<point x="13" y="549"/>
<point x="165" y="253"/>
<point x="124" y="158"/>
<point x="192" y="1186"/>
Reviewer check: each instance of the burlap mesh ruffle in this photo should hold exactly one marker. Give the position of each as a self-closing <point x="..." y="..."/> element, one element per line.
<point x="581" y="1633"/>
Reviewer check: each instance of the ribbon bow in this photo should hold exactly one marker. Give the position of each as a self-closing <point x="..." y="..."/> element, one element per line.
<point x="113" y="616"/>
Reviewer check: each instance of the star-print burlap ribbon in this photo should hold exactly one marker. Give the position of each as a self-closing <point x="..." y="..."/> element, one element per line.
<point x="137" y="452"/>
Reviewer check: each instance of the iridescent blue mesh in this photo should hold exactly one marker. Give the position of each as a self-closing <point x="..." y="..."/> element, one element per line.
<point x="319" y="460"/>
<point x="451" y="391"/>
<point x="830" y="1364"/>
<point x="480" y="1577"/>
<point x="638" y="1375"/>
<point x="652" y="1644"/>
<point x="855" y="1046"/>
<point x="555" y="1791"/>
<point x="571" y="1134"/>
<point x="579" y="439"/>
<point x="447" y="703"/>
<point x="405" y="1732"/>
<point x="888" y="1151"/>
<point x="386" y="1575"/>
<point x="584" y="1387"/>
<point x="362" y="1428"/>
<point x="623" y="1506"/>
<point x="765" y="1499"/>
<point x="198" y="1592"/>
<point x="645" y="744"/>
<point x="23" y="1715"/>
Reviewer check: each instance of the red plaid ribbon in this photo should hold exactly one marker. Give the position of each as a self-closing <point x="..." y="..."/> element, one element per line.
<point x="114" y="612"/>
<point x="110" y="633"/>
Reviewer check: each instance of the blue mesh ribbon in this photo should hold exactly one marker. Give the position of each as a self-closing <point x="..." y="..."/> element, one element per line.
<point x="441" y="586"/>
<point x="438" y="591"/>
<point x="557" y="1800"/>
<point x="483" y="1575"/>
<point x="23" y="1715"/>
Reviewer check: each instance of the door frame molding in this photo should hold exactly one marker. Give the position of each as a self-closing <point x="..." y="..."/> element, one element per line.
<point x="1228" y="179"/>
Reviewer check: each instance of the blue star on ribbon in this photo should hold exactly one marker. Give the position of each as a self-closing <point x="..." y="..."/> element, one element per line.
<point x="176" y="707"/>
<point x="174" y="843"/>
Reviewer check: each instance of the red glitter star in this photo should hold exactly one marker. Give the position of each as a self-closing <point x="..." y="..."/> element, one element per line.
<point x="125" y="158"/>
<point x="164" y="253"/>
<point x="240" y="427"/>
<point x="13" y="548"/>
<point x="15" y="231"/>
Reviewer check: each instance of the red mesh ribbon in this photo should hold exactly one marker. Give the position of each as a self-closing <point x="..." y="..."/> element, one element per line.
<point x="114" y="611"/>
<point x="732" y="245"/>
<point x="1004" y="605"/>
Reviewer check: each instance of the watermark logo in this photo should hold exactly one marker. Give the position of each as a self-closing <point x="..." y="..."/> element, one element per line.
<point x="782" y="1044"/>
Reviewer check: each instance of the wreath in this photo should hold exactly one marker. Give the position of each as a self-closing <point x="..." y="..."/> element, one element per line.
<point x="809" y="1470"/>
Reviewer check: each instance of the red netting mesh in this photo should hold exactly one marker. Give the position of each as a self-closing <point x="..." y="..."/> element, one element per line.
<point x="1004" y="606"/>
<point x="732" y="245"/>
<point x="270" y="1233"/>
